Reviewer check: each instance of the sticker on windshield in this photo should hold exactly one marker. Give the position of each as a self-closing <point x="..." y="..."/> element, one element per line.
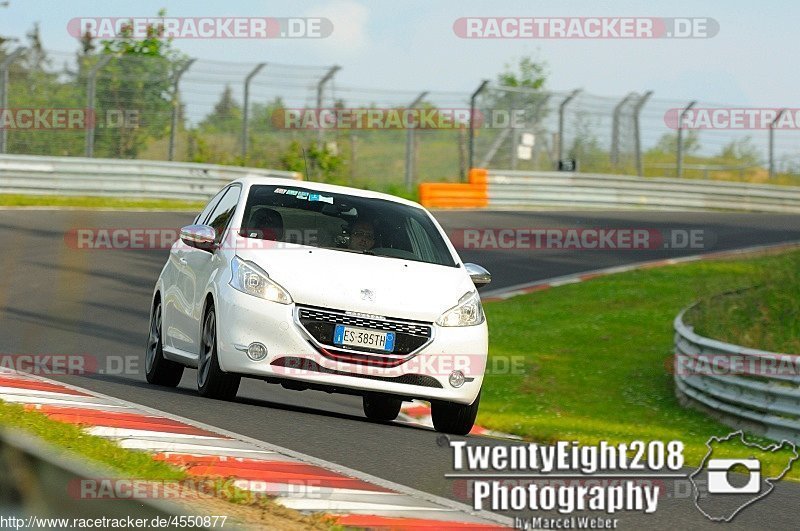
<point x="302" y="195"/>
<point x="280" y="190"/>
<point x="318" y="197"/>
<point x="291" y="192"/>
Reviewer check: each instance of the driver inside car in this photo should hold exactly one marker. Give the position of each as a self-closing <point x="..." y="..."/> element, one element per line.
<point x="362" y="236"/>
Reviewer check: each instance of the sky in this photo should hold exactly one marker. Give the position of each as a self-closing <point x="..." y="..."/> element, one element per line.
<point x="411" y="45"/>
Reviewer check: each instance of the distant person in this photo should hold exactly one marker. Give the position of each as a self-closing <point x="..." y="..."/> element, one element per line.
<point x="362" y="236"/>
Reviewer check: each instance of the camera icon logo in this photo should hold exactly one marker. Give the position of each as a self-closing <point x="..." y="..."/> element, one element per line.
<point x="718" y="482"/>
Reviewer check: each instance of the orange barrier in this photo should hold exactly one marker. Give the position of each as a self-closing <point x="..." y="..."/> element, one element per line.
<point x="474" y="194"/>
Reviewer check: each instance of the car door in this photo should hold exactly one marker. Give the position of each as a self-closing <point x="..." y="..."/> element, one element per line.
<point x="201" y="266"/>
<point x="177" y="307"/>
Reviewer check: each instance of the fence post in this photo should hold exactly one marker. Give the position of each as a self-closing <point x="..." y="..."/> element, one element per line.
<point x="514" y="132"/>
<point x="4" y="66"/>
<point x="637" y="133"/>
<point x="679" y="162"/>
<point x="175" y="106"/>
<point x="472" y="99"/>
<point x="246" y="108"/>
<point x="771" y="143"/>
<point x="615" y="127"/>
<point x="320" y="88"/>
<point x="561" y="109"/>
<point x="410" y="169"/>
<point x="90" y="88"/>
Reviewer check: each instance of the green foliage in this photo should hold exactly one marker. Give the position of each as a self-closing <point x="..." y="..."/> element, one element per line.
<point x="668" y="143"/>
<point x="741" y="150"/>
<point x="606" y="345"/>
<point x="323" y="164"/>
<point x="529" y="73"/>
<point x="226" y="115"/>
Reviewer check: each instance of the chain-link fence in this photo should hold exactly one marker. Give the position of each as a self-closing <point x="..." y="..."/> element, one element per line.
<point x="289" y="117"/>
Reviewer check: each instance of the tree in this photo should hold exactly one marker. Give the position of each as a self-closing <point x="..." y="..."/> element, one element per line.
<point x="138" y="81"/>
<point x="668" y="143"/>
<point x="524" y="96"/>
<point x="741" y="150"/>
<point x="226" y="116"/>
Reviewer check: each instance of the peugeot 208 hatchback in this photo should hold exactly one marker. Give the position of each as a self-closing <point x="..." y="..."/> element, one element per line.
<point x="322" y="287"/>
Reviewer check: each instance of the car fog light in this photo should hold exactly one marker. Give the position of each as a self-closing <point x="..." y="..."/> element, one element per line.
<point x="457" y="378"/>
<point x="257" y="351"/>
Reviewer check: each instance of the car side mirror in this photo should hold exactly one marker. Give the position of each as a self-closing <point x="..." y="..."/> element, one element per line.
<point x="199" y="236"/>
<point x="479" y="275"/>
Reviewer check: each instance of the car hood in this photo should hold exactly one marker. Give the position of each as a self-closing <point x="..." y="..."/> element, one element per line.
<point x="336" y="279"/>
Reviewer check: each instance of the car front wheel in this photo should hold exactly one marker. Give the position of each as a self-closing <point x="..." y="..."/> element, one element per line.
<point x="212" y="381"/>
<point x="456" y="419"/>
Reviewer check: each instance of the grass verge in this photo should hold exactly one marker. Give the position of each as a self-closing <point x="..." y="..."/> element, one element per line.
<point x="218" y="496"/>
<point x="765" y="317"/>
<point x="97" y="202"/>
<point x="597" y="357"/>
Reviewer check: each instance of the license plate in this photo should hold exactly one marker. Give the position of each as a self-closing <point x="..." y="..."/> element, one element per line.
<point x="362" y="337"/>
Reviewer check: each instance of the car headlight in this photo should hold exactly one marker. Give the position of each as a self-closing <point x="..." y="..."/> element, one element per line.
<point x="248" y="278"/>
<point x="468" y="312"/>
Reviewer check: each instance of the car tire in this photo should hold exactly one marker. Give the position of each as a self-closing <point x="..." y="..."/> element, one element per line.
<point x="381" y="407"/>
<point x="159" y="370"/>
<point x="455" y="419"/>
<point x="212" y="381"/>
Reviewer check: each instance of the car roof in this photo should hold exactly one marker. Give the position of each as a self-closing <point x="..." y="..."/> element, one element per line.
<point x="252" y="180"/>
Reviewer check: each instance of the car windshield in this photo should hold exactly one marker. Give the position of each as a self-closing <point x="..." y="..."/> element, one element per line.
<point x="343" y="222"/>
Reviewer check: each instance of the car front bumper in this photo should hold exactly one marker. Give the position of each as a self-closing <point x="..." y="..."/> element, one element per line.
<point x="292" y="354"/>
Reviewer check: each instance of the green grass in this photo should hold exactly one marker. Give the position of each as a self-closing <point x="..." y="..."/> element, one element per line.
<point x="597" y="356"/>
<point x="98" y="202"/>
<point x="71" y="437"/>
<point x="765" y="317"/>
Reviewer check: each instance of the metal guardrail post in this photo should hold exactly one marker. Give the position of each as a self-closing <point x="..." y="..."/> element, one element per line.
<point x="637" y="133"/>
<point x="4" y="66"/>
<point x="246" y="108"/>
<point x="772" y="143"/>
<point x="472" y="99"/>
<point x="615" y="127"/>
<point x="561" y="109"/>
<point x="175" y="106"/>
<point x="679" y="160"/>
<point x="90" y="92"/>
<point x="410" y="169"/>
<point x="320" y="87"/>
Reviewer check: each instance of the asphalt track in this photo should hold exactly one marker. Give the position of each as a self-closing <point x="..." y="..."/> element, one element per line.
<point x="55" y="299"/>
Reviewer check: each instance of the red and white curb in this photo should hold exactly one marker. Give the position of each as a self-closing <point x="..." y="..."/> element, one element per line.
<point x="418" y="413"/>
<point x="540" y="285"/>
<point x="297" y="481"/>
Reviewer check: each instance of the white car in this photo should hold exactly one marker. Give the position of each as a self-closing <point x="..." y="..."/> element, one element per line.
<point x="324" y="287"/>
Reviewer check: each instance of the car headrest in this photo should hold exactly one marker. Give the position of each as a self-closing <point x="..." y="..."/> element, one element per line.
<point x="266" y="223"/>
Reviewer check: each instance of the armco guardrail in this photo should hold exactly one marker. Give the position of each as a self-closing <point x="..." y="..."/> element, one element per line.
<point x="746" y="388"/>
<point x="518" y="189"/>
<point x="25" y="174"/>
<point x="39" y="483"/>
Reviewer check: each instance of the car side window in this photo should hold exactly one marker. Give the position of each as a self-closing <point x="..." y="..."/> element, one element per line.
<point x="224" y="211"/>
<point x="202" y="216"/>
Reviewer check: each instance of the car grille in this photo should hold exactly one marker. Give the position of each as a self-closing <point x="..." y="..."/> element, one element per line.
<point x="320" y="323"/>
